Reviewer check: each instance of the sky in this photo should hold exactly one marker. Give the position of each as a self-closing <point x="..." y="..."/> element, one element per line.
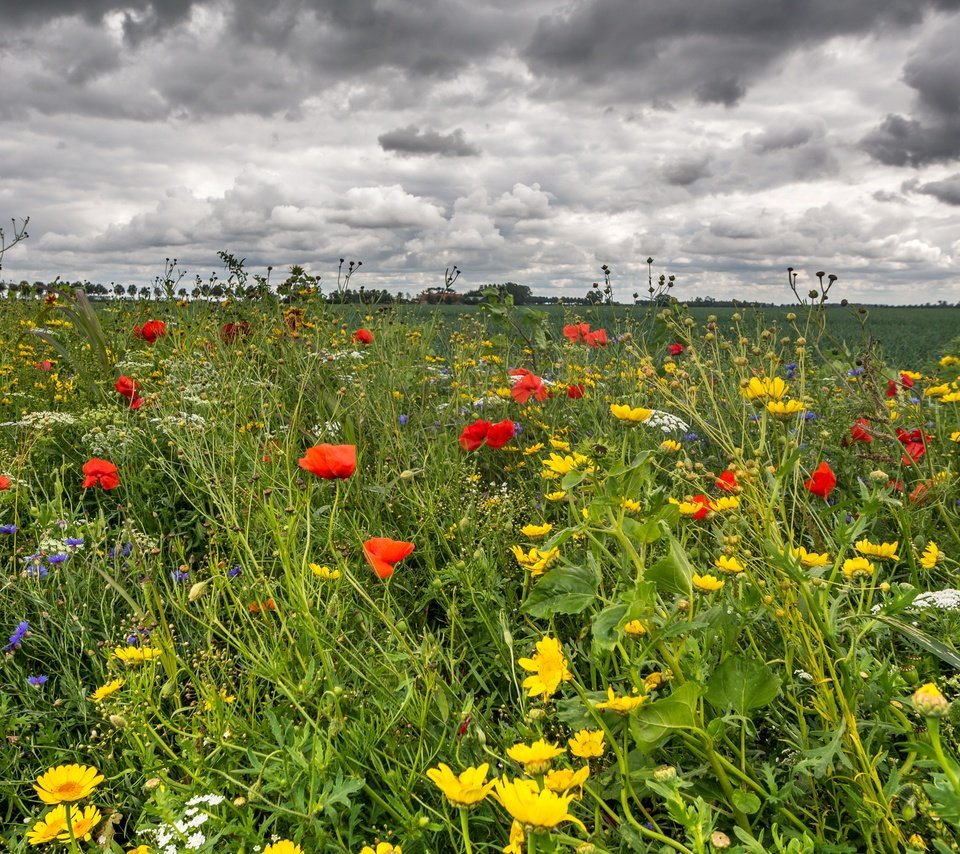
<point x="520" y="140"/>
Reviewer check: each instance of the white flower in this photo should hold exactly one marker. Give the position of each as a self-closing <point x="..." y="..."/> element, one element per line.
<point x="196" y="840"/>
<point x="666" y="421"/>
<point x="944" y="600"/>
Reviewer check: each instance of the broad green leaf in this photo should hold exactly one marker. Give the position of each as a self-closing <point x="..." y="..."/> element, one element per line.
<point x="746" y="802"/>
<point x="562" y="590"/>
<point x="654" y="724"/>
<point x="742" y="684"/>
<point x="606" y="626"/>
<point x="642" y="532"/>
<point x="672" y="573"/>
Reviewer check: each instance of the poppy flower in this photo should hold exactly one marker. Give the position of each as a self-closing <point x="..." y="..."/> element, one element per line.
<point x="595" y="339"/>
<point x="46" y="366"/>
<point x="702" y="505"/>
<point x="675" y="349"/>
<point x="151" y="331"/>
<point x="822" y="481"/>
<point x="575" y="392"/>
<point x="230" y="332"/>
<point x="4" y="482"/>
<point x="100" y="471"/>
<point x="331" y="462"/>
<point x="576" y="331"/>
<point x="383" y="554"/>
<point x="263" y="607"/>
<point x="127" y="386"/>
<point x="915" y="445"/>
<point x="363" y="336"/>
<point x="495" y="435"/>
<point x="526" y="385"/>
<point x="860" y="431"/>
<point x="727" y="481"/>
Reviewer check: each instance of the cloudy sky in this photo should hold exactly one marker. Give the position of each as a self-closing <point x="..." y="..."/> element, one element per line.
<point x="521" y="140"/>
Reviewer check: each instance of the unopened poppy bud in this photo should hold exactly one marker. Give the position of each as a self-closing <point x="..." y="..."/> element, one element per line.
<point x="198" y="590"/>
<point x="929" y="702"/>
<point x="119" y="721"/>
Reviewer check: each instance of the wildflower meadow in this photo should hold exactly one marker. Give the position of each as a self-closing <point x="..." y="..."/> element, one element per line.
<point x="286" y="577"/>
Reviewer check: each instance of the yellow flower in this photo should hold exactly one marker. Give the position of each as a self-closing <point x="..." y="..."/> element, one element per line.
<point x="915" y="840"/>
<point x="564" y="779"/>
<point x="621" y="705"/>
<point x="635" y="415"/>
<point x="931" y="556"/>
<point x="225" y="698"/>
<point x="556" y="465"/>
<point x="724" y="503"/>
<point x="855" y="566"/>
<point x="107" y="690"/>
<point x="83" y="824"/>
<point x="630" y="505"/>
<point x="535" y="758"/>
<point x="912" y="375"/>
<point x="324" y="572"/>
<point x="559" y="444"/>
<point x="955" y="436"/>
<point x="466" y="790"/>
<point x="670" y="446"/>
<point x="533" y="449"/>
<point x="785" y="408"/>
<point x="655" y="680"/>
<point x="881" y="551"/>
<point x="937" y="390"/>
<point x="947" y="361"/>
<point x="953" y="397"/>
<point x="536" y="531"/>
<point x="769" y="388"/>
<point x="810" y="560"/>
<point x="549" y="669"/>
<point x="67" y="783"/>
<point x="729" y="565"/>
<point x="587" y="743"/>
<point x="635" y="628"/>
<point x="51" y="825"/>
<point x="929" y="702"/>
<point x="535" y="560"/>
<point x="517" y="837"/>
<point x="540" y="810"/>
<point x="284" y="846"/>
<point x="133" y="655"/>
<point x="559" y="495"/>
<point x="382" y="848"/>
<point x="140" y="849"/>
<point x="707" y="583"/>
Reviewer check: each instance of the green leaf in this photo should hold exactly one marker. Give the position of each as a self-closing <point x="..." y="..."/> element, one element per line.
<point x="606" y="626"/>
<point x="945" y="653"/>
<point x="654" y="724"/>
<point x="642" y="532"/>
<point x="672" y="573"/>
<point x="746" y="802"/>
<point x="742" y="684"/>
<point x="562" y="590"/>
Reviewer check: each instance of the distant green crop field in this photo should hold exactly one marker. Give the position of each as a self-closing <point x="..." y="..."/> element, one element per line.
<point x="906" y="337"/>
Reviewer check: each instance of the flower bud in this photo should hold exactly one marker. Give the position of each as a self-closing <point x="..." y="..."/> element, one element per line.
<point x="719" y="840"/>
<point x="665" y="774"/>
<point x="929" y="702"/>
<point x="198" y="590"/>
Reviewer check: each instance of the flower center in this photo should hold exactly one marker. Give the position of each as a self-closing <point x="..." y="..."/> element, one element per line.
<point x="69" y="791"/>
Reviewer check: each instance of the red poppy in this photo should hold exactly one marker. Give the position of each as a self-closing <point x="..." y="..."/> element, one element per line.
<point x="727" y="481"/>
<point x="906" y="380"/>
<point x="705" y="507"/>
<point x="576" y="331"/>
<point x="495" y="435"/>
<point x="363" y="336"/>
<point x="263" y="607"/>
<point x="915" y="445"/>
<point x="151" y="331"/>
<point x="892" y="388"/>
<point x="100" y="471"/>
<point x="860" y="432"/>
<point x="230" y="332"/>
<point x="675" y="349"/>
<point x="127" y="387"/>
<point x="46" y="366"/>
<point x="383" y="554"/>
<point x="822" y="481"/>
<point x="526" y="385"/>
<point x="575" y="392"/>
<point x="597" y="338"/>
<point x="331" y="462"/>
<point x="4" y="482"/>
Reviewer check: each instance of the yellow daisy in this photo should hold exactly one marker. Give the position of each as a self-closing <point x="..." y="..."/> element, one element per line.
<point x="134" y="655"/>
<point x="621" y="705"/>
<point x="67" y="783"/>
<point x="707" y="583"/>
<point x="107" y="690"/>
<point x="465" y="791"/>
<point x="535" y="758"/>
<point x="587" y="743"/>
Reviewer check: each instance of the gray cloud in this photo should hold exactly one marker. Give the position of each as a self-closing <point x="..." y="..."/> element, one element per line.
<point x="413" y="141"/>
<point x="686" y="171"/>
<point x="946" y="191"/>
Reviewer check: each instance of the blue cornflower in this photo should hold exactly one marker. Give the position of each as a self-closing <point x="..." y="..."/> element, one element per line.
<point x="37" y="680"/>
<point x="235" y="571"/>
<point x="55" y="559"/>
<point x="74" y="541"/>
<point x="403" y="419"/>
<point x="18" y="635"/>
<point x="36" y="571"/>
<point x="855" y="372"/>
<point x="8" y="529"/>
<point x="689" y="437"/>
<point x="180" y="576"/>
<point x="791" y="370"/>
<point x="810" y="416"/>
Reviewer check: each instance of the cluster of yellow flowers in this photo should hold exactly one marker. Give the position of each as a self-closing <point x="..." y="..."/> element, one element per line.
<point x="63" y="786"/>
